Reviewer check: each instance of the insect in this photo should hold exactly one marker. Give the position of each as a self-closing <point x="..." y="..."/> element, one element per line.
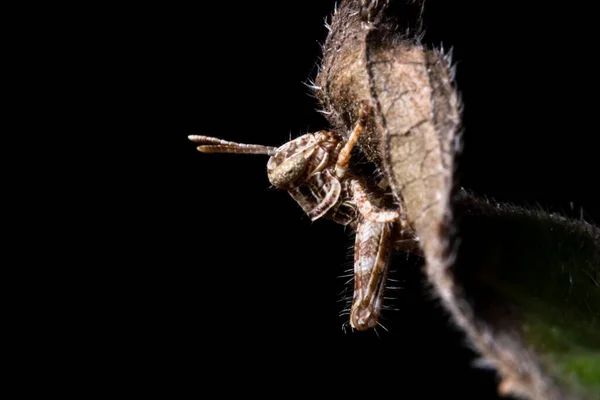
<point x="314" y="170"/>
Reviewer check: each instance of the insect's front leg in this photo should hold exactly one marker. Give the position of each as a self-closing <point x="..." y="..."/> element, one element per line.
<point x="331" y="197"/>
<point x="343" y="160"/>
<point x="372" y="249"/>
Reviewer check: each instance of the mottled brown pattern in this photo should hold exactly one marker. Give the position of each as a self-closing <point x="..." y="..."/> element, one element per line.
<point x="371" y="255"/>
<point x="314" y="169"/>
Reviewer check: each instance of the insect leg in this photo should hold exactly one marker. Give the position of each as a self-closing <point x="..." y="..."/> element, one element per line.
<point x="344" y="156"/>
<point x="371" y="255"/>
<point x="367" y="209"/>
<point x="329" y="200"/>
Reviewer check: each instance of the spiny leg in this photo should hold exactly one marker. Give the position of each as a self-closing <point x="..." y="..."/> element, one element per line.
<point x="371" y="255"/>
<point x="344" y="156"/>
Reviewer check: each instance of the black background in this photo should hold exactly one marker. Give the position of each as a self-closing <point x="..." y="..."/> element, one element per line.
<point x="229" y="276"/>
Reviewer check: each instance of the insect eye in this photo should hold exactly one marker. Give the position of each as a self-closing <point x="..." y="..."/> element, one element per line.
<point x="290" y="169"/>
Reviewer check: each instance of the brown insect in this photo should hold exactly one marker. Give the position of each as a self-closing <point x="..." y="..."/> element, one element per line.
<point x="314" y="169"/>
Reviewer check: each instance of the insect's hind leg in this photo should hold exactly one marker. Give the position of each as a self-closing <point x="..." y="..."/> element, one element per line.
<point x="367" y="209"/>
<point x="372" y="250"/>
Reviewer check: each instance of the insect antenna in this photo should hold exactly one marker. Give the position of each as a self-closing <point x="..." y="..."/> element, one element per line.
<point x="215" y="145"/>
